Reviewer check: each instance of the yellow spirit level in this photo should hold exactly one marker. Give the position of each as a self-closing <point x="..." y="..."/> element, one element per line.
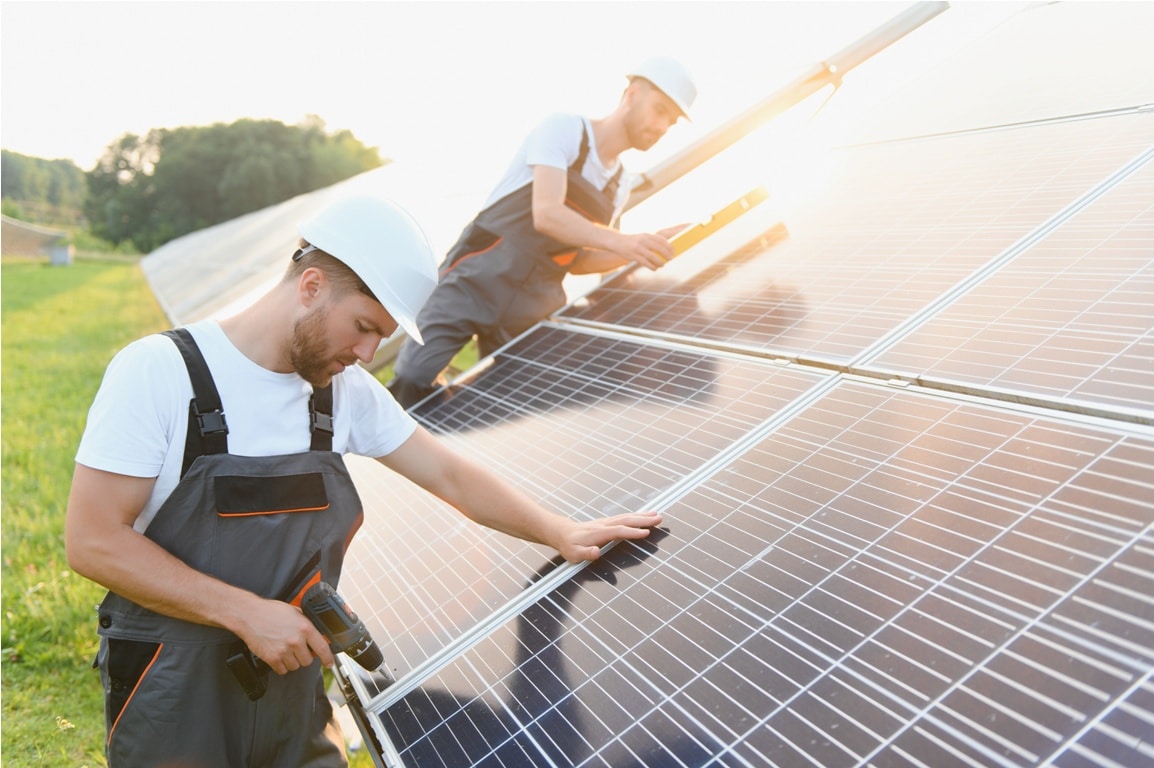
<point x="683" y="240"/>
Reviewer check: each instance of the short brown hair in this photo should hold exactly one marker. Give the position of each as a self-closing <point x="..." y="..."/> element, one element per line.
<point x="343" y="279"/>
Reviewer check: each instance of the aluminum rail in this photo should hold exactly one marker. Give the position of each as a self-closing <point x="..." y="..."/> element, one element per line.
<point x="820" y="75"/>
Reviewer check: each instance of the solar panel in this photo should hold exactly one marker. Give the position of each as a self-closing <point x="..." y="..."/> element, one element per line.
<point x="903" y="439"/>
<point x="888" y="577"/>
<point x="897" y="226"/>
<point x="1071" y="319"/>
<point x="589" y="425"/>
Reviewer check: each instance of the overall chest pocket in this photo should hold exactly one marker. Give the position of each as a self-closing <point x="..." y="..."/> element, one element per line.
<point x="265" y="525"/>
<point x="246" y="496"/>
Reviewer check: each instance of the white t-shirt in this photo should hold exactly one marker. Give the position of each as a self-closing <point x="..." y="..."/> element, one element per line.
<point x="556" y="142"/>
<point x="138" y="421"/>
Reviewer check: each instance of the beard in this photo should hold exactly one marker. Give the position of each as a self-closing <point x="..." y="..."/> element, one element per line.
<point x="638" y="137"/>
<point x="307" y="349"/>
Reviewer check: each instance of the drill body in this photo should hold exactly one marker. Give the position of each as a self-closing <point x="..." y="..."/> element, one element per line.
<point x="333" y="618"/>
<point x="346" y="633"/>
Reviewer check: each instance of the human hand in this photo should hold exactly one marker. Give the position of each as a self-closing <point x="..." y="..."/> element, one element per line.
<point x="671" y="232"/>
<point x="281" y="636"/>
<point x="649" y="250"/>
<point x="582" y="540"/>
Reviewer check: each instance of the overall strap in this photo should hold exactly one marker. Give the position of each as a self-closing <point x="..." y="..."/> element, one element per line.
<point x="578" y="165"/>
<point x="321" y="418"/>
<point x="207" y="428"/>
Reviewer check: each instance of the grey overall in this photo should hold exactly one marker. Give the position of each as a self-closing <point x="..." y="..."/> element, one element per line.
<point x="270" y="525"/>
<point x="501" y="277"/>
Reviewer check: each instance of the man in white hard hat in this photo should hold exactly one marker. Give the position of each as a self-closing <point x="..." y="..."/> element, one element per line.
<point x="554" y="213"/>
<point x="209" y="493"/>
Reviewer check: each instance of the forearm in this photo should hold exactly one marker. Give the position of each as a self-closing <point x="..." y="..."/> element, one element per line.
<point x="551" y="216"/>
<point x="102" y="545"/>
<point x="491" y="501"/>
<point x="593" y="261"/>
<point x="495" y="503"/>
<point x="565" y="225"/>
<point x="136" y="568"/>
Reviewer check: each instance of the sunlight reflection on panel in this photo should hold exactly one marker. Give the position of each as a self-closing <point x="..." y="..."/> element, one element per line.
<point x="1071" y="318"/>
<point x="897" y="227"/>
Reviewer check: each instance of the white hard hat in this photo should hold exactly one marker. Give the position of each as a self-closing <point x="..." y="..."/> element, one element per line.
<point x="671" y="78"/>
<point x="385" y="247"/>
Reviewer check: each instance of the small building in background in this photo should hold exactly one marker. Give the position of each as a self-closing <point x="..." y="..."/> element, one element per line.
<point x="19" y="238"/>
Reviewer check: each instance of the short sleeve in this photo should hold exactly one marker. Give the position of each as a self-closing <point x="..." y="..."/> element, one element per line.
<point x="136" y="412"/>
<point x="379" y="424"/>
<point x="555" y="142"/>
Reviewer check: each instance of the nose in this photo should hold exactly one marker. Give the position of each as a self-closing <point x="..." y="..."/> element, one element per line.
<point x="367" y="348"/>
<point x="664" y="123"/>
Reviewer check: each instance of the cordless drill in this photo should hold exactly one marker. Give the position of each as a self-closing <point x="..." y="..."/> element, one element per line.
<point x="331" y="615"/>
<point x="346" y="633"/>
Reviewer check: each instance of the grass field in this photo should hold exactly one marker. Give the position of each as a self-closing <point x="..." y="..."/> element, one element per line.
<point x="61" y="326"/>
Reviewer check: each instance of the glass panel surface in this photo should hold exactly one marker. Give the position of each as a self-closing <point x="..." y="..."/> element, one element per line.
<point x="587" y="425"/>
<point x="886" y="576"/>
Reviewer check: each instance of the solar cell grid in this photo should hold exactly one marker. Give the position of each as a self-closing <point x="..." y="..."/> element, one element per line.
<point x="1070" y="319"/>
<point x="896" y="227"/>
<point x="589" y="425"/>
<point x="978" y="621"/>
<point x="850" y="574"/>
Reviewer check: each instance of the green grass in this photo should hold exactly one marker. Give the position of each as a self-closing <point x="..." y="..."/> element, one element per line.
<point x="61" y="326"/>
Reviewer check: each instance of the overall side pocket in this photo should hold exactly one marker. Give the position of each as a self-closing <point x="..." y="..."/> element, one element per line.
<point x="123" y="664"/>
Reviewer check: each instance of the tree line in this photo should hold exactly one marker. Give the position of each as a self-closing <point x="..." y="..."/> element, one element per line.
<point x="150" y="189"/>
<point x="41" y="191"/>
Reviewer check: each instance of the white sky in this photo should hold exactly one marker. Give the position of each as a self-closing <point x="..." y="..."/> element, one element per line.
<point x="459" y="79"/>
<point x="447" y="89"/>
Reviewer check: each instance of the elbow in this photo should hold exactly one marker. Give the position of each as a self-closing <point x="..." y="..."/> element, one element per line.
<point x="83" y="552"/>
<point x="77" y="555"/>
<point x="540" y="222"/>
<point x="545" y="220"/>
<point x="78" y="560"/>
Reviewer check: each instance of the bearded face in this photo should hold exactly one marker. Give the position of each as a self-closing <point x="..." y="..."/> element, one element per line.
<point x="339" y="329"/>
<point x="308" y="350"/>
<point x="649" y="116"/>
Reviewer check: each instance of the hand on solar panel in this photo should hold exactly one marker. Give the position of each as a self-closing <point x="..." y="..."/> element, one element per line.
<point x="486" y="498"/>
<point x="582" y="540"/>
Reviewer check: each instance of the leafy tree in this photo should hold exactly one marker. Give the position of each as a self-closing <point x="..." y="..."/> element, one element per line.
<point x="118" y="204"/>
<point x="41" y="190"/>
<point x="150" y="189"/>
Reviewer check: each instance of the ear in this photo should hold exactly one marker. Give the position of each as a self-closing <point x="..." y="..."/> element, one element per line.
<point x="311" y="286"/>
<point x="638" y="87"/>
<point x="629" y="95"/>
